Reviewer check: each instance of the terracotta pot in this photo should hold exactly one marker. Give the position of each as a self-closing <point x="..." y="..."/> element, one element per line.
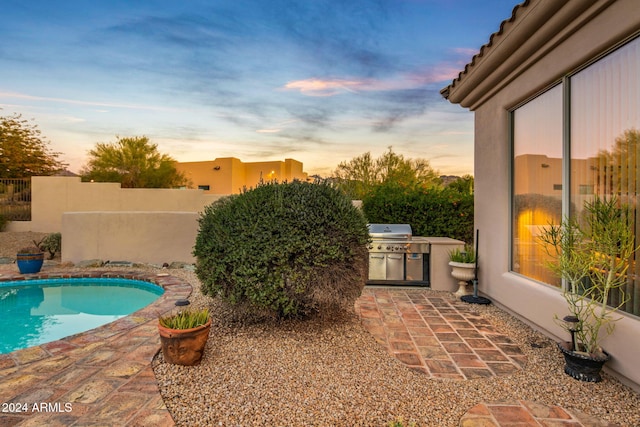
<point x="184" y="346"/>
<point x="30" y="263"/>
<point x="582" y="366"/>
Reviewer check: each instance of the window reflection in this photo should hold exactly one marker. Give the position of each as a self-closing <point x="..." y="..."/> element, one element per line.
<point x="604" y="142"/>
<point x="605" y="136"/>
<point x="537" y="180"/>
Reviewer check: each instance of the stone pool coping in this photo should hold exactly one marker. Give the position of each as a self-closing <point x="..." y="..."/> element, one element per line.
<point x="96" y="377"/>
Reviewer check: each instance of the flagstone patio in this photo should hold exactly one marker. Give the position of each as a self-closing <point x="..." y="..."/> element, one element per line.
<point x="104" y="376"/>
<point x="99" y="377"/>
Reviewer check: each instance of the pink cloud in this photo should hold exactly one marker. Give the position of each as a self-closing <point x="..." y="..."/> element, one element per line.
<point x="332" y="87"/>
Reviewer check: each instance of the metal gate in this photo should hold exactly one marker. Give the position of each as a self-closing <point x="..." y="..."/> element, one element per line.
<point x="15" y="199"/>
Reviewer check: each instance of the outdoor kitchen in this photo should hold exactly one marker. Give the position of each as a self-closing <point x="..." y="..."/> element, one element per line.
<point x="397" y="257"/>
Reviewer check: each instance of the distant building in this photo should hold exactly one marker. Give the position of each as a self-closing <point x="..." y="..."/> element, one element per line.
<point x="65" y="172"/>
<point x="228" y="175"/>
<point x="448" y="179"/>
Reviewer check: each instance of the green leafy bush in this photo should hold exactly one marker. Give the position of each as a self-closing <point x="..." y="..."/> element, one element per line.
<point x="291" y="249"/>
<point x="3" y="222"/>
<point x="443" y="212"/>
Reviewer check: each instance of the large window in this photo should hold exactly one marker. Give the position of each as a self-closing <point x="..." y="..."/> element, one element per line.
<point x="537" y="179"/>
<point x="602" y="136"/>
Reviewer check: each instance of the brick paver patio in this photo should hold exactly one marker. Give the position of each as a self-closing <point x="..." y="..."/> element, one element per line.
<point x="437" y="334"/>
<point x="524" y="413"/>
<point x="440" y="336"/>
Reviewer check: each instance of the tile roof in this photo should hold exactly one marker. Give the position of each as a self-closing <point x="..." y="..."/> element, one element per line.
<point x="445" y="91"/>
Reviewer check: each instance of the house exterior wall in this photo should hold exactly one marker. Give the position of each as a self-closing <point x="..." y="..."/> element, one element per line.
<point x="570" y="35"/>
<point x="229" y="175"/>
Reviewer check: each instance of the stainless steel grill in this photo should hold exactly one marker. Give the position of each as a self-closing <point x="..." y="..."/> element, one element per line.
<point x="396" y="256"/>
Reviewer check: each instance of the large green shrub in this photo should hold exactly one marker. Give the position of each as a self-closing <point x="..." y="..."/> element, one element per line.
<point x="445" y="212"/>
<point x="290" y="249"/>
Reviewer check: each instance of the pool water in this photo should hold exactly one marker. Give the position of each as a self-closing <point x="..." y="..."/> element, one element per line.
<point x="35" y="312"/>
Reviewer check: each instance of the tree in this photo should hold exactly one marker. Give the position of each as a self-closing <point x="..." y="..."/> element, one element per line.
<point x="359" y="175"/>
<point x="134" y="162"/>
<point x="23" y="152"/>
<point x="463" y="184"/>
<point x="618" y="170"/>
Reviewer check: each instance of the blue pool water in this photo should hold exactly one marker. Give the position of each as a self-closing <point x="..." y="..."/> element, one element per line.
<point x="35" y="312"/>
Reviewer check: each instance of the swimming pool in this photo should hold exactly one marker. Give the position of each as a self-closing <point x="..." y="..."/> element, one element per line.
<point x="38" y="311"/>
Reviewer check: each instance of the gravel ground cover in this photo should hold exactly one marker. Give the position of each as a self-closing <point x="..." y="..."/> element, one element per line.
<point x="12" y="241"/>
<point x="332" y="372"/>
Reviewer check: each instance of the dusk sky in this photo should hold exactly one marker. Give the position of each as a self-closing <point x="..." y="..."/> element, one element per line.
<point x="319" y="81"/>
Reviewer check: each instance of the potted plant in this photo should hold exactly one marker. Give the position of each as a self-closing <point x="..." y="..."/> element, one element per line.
<point x="463" y="267"/>
<point x="29" y="260"/>
<point x="591" y="254"/>
<point x="183" y="336"/>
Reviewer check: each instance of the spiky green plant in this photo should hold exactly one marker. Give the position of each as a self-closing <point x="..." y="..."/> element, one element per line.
<point x="466" y="255"/>
<point x="592" y="256"/>
<point x="399" y="422"/>
<point x="186" y="319"/>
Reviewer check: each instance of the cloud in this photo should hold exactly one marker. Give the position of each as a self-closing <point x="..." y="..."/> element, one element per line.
<point x="414" y="79"/>
<point x="14" y="95"/>
<point x="465" y="51"/>
<point x="326" y="87"/>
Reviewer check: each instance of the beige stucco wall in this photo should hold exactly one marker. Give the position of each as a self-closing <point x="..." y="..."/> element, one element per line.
<point x="146" y="237"/>
<point x="535" y="302"/>
<point x="229" y="175"/>
<point x="52" y="196"/>
<point x="223" y="176"/>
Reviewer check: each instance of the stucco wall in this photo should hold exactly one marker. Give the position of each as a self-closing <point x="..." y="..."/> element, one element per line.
<point x="146" y="237"/>
<point x="537" y="303"/>
<point x="53" y="196"/>
<point x="229" y="175"/>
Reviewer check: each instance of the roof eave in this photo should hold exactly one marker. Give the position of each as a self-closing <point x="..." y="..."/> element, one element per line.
<point x="532" y="24"/>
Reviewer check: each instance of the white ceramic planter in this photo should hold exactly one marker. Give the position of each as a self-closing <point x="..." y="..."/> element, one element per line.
<point x="464" y="272"/>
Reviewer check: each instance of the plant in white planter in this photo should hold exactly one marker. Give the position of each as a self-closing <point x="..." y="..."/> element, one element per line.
<point x="463" y="267"/>
<point x="592" y="255"/>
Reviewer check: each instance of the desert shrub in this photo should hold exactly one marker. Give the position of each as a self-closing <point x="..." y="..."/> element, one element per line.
<point x="286" y="250"/>
<point x="444" y="212"/>
<point x="51" y="243"/>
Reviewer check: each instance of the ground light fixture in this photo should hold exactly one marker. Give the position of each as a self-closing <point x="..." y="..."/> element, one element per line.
<point x="573" y="326"/>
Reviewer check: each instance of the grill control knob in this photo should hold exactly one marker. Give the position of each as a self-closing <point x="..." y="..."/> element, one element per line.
<point x="379" y="247"/>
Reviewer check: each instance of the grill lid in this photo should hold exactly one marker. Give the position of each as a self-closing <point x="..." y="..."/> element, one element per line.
<point x="390" y="231"/>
